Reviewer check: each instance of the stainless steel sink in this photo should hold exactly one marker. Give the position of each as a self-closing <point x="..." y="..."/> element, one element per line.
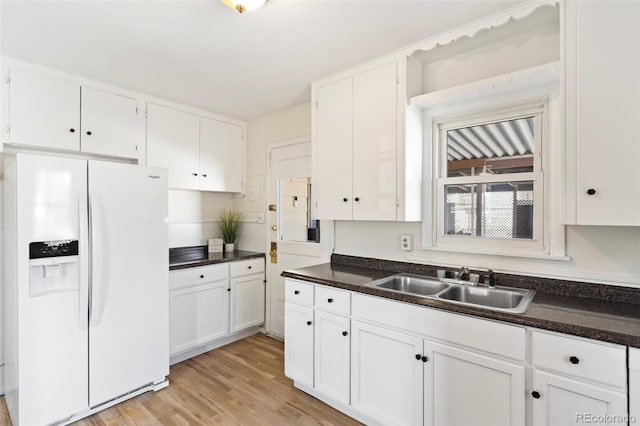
<point x="411" y="284"/>
<point x="504" y="299"/>
<point x="501" y="298"/>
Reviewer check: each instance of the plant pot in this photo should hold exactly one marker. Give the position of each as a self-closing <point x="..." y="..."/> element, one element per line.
<point x="229" y="247"/>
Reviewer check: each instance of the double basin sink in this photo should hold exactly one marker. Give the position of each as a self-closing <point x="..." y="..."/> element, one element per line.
<point x="504" y="299"/>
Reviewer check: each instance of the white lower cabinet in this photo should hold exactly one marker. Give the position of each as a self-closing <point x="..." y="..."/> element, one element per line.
<point x="634" y="383"/>
<point x="198" y="314"/>
<point x="563" y="401"/>
<point x="466" y="388"/>
<point x="247" y="302"/>
<point x="332" y="348"/>
<point x="386" y="374"/>
<point x="298" y="346"/>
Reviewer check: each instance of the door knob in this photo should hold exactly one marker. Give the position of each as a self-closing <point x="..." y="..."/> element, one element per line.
<point x="274" y="227"/>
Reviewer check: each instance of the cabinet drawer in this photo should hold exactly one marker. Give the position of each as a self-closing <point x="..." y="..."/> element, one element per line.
<point x="203" y="274"/>
<point x="333" y="300"/>
<point x="582" y="358"/>
<point x="298" y="292"/>
<point x="246" y="267"/>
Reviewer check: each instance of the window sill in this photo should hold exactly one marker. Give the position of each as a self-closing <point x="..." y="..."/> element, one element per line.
<point x="422" y="253"/>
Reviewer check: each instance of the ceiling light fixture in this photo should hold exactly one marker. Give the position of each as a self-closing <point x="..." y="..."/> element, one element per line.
<point x="244" y="5"/>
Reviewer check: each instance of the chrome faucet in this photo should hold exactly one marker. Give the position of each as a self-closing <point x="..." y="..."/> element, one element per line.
<point x="461" y="272"/>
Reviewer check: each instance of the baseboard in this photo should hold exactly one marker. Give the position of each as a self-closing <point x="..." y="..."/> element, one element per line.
<point x="200" y="349"/>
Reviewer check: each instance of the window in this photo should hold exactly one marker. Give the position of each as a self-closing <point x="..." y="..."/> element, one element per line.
<point x="489" y="181"/>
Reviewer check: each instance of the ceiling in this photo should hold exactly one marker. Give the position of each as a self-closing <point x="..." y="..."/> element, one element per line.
<point x="205" y="55"/>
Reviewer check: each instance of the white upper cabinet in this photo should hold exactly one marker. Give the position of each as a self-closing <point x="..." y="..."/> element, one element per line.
<point x="51" y="113"/>
<point x="173" y="142"/>
<point x="109" y="124"/>
<point x="603" y="106"/>
<point x="357" y="172"/>
<point x="200" y="153"/>
<point x="221" y="153"/>
<point x="43" y="111"/>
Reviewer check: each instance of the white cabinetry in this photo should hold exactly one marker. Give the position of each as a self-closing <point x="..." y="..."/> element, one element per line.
<point x="386" y="374"/>
<point x="634" y="383"/>
<point x="298" y="332"/>
<point x="355" y="146"/>
<point x="247" y="294"/>
<point x="569" y="380"/>
<point x="603" y="105"/>
<point x="200" y="153"/>
<point x="331" y="355"/>
<point x="52" y="113"/>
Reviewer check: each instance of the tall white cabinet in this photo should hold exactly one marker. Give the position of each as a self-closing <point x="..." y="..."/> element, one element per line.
<point x="603" y="106"/>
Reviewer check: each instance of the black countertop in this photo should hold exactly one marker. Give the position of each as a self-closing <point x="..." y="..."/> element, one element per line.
<point x="190" y="257"/>
<point x="612" y="316"/>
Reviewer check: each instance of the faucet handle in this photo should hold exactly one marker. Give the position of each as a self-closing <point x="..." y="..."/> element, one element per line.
<point x="474" y="278"/>
<point x="490" y="278"/>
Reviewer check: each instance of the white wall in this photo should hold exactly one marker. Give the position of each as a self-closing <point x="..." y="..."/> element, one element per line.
<point x="287" y="124"/>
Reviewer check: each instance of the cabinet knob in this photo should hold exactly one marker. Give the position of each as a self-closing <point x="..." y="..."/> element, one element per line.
<point x="201" y="276"/>
<point x="194" y="174"/>
<point x="344" y="333"/>
<point x="330" y="300"/>
<point x="308" y="322"/>
<point x="296" y="292"/>
<point x="425" y="359"/>
<point x="89" y="133"/>
<point x="418" y="357"/>
<point x="345" y="199"/>
<point x="249" y="267"/>
<point x="574" y="360"/>
<point x="591" y="191"/>
<point x="535" y="394"/>
<point x="356" y="199"/>
<point x="72" y="130"/>
<point x="203" y="175"/>
<point x="229" y="289"/>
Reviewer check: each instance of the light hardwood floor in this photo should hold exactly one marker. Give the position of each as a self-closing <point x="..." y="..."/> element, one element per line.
<point x="239" y="384"/>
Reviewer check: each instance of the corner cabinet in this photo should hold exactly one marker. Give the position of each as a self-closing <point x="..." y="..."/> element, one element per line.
<point x="602" y="109"/>
<point x="358" y="145"/>
<point x="47" y="112"/>
<point x="201" y="154"/>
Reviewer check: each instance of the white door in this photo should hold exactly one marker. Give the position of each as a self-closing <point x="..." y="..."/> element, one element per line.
<point x="43" y="111"/>
<point x="465" y="388"/>
<point x="559" y="401"/>
<point x="332" y="356"/>
<point x="129" y="315"/>
<point x="374" y="143"/>
<point x="289" y="169"/>
<point x="221" y="156"/>
<point x="247" y="302"/>
<point x="173" y="142"/>
<point x="386" y="375"/>
<point x="333" y="154"/>
<point x="298" y="350"/>
<point x="109" y="124"/>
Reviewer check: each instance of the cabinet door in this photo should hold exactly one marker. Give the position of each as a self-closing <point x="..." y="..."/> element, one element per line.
<point x="173" y="142"/>
<point x="634" y="383"/>
<point x="43" y="111"/>
<point x="333" y="151"/>
<point x="332" y="343"/>
<point x="608" y="107"/>
<point x="298" y="343"/>
<point x="109" y="124"/>
<point x="374" y="143"/>
<point x="221" y="162"/>
<point x="386" y="375"/>
<point x="464" y="388"/>
<point x="198" y="315"/>
<point x="247" y="302"/>
<point x="561" y="401"/>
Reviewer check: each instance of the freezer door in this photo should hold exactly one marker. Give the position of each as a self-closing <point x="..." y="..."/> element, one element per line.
<point x="47" y="360"/>
<point x="129" y="297"/>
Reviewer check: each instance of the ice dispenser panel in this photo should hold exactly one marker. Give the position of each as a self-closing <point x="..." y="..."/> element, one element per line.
<point x="54" y="267"/>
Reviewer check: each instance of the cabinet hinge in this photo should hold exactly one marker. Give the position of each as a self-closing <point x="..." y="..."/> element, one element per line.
<point x="137" y="110"/>
<point x="8" y="129"/>
<point x="397" y="79"/>
<point x="8" y="80"/>
<point x="136" y="147"/>
<point x="397" y="203"/>
<point x="270" y="161"/>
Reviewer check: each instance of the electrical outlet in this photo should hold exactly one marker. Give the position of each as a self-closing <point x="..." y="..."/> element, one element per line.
<point x="406" y="242"/>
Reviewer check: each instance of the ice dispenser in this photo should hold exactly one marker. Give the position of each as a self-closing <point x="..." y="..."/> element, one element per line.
<point x="54" y="267"/>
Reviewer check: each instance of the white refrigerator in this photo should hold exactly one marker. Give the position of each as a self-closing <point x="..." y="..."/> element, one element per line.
<point x="86" y="285"/>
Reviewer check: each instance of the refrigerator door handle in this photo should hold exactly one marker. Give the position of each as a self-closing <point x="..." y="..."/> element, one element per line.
<point x="91" y="256"/>
<point x="84" y="257"/>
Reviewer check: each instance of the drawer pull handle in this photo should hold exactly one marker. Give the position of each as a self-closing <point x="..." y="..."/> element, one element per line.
<point x="535" y="394"/>
<point x="425" y="359"/>
<point x="591" y="191"/>
<point x="344" y="333"/>
<point x="296" y="292"/>
<point x="574" y="360"/>
<point x="308" y="322"/>
<point x="330" y="300"/>
<point x="201" y="276"/>
<point x="418" y="357"/>
<point x="344" y="200"/>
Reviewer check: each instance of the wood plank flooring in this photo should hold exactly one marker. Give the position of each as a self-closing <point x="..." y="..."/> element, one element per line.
<point x="239" y="384"/>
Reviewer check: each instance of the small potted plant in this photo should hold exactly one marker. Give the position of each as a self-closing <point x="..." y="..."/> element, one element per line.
<point x="229" y="222"/>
